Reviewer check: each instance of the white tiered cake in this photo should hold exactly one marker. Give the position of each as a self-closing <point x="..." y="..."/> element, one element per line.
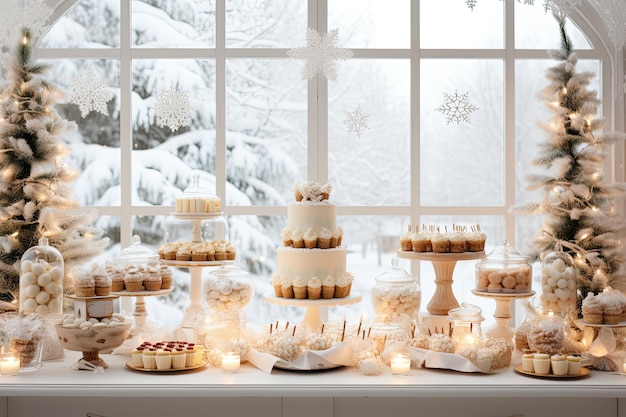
<point x="311" y="263"/>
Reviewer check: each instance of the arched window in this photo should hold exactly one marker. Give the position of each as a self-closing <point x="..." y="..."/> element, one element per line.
<point x="257" y="127"/>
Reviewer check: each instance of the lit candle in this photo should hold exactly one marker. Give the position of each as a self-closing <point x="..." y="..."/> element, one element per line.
<point x="9" y="364"/>
<point x="230" y="362"/>
<point x="400" y="365"/>
<point x="624" y="366"/>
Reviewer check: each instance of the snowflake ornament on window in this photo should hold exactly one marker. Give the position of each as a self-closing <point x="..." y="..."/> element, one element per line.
<point x="91" y="92"/>
<point x="456" y="108"/>
<point x="356" y="121"/>
<point x="31" y="14"/>
<point x="321" y="54"/>
<point x="173" y="109"/>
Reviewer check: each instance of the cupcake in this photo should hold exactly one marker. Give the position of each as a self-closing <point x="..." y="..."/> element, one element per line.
<point x="220" y="251"/>
<point x="310" y="239"/>
<point x="169" y="251"/>
<point x="152" y="277"/>
<point x="101" y="279"/>
<point x="231" y="252"/>
<point x="133" y="279"/>
<point x="328" y="287"/>
<point x="298" y="238"/>
<point x="287" y="287"/>
<point x="343" y="285"/>
<point x="117" y="278"/>
<point x="528" y="362"/>
<point x="190" y="356"/>
<point x="85" y="285"/>
<point x="314" y="288"/>
<point x="574" y="366"/>
<point x="560" y="365"/>
<point x="149" y="358"/>
<point x="612" y="313"/>
<point x="210" y="251"/>
<point x="592" y="309"/>
<point x="198" y="252"/>
<point x="285" y="235"/>
<point x="421" y="242"/>
<point x="299" y="288"/>
<point x="276" y="281"/>
<point x="334" y="237"/>
<point x="166" y="276"/>
<point x="324" y="238"/>
<point x="440" y="243"/>
<point x="458" y="243"/>
<point x="183" y="253"/>
<point x="476" y="241"/>
<point x="339" y="232"/>
<point x="541" y="363"/>
<point x="163" y="359"/>
<point x="178" y="358"/>
<point x="136" y="357"/>
<point x="405" y="240"/>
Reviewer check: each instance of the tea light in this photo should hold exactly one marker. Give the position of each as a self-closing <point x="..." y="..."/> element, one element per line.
<point x="230" y="362"/>
<point x="9" y="364"/>
<point x="400" y="365"/>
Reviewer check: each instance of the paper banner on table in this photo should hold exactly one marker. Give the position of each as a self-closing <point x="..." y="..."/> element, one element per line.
<point x="310" y="360"/>
<point x="439" y="360"/>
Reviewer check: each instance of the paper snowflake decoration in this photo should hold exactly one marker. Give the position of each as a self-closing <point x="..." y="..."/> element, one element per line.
<point x="321" y="54"/>
<point x="456" y="108"/>
<point x="356" y="121"/>
<point x="91" y="92"/>
<point x="31" y="14"/>
<point x="173" y="109"/>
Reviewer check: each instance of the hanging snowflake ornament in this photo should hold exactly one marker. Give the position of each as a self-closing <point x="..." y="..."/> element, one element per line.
<point x="173" y="109"/>
<point x="356" y="121"/>
<point x="456" y="108"/>
<point x="471" y="4"/>
<point x="321" y="54"/>
<point x="91" y="92"/>
<point x="31" y="14"/>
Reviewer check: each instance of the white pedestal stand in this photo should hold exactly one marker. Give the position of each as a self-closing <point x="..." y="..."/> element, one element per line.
<point x="503" y="313"/>
<point x="312" y="316"/>
<point x="140" y="313"/>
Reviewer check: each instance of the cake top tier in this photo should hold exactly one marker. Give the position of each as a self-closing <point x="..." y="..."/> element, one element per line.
<point x="312" y="191"/>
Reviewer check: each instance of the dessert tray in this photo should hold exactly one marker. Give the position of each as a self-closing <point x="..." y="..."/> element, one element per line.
<point x="440" y="360"/>
<point x="583" y="372"/>
<point x="310" y="360"/>
<point x="202" y="364"/>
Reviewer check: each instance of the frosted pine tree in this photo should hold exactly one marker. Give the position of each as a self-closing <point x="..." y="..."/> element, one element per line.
<point x="35" y="198"/>
<point x="578" y="205"/>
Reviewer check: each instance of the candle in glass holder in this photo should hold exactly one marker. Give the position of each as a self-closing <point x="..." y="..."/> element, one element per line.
<point x="9" y="363"/>
<point x="400" y="365"/>
<point x="230" y="362"/>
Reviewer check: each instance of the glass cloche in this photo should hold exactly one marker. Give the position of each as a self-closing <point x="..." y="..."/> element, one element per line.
<point x="396" y="293"/>
<point x="504" y="270"/>
<point x="136" y="254"/>
<point x="41" y="280"/>
<point x="228" y="289"/>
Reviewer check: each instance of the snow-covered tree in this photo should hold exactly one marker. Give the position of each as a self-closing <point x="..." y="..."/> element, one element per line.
<point x="35" y="199"/>
<point x="578" y="207"/>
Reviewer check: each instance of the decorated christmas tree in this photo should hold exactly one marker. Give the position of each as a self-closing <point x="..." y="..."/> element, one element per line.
<point x="578" y="205"/>
<point x="35" y="197"/>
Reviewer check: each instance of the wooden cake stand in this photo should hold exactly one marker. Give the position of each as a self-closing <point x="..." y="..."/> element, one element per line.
<point x="312" y="317"/>
<point x="443" y="300"/>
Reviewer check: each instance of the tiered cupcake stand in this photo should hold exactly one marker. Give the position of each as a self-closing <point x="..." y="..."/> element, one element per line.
<point x="313" y="315"/>
<point x="195" y="311"/>
<point x="500" y="329"/>
<point x="443" y="299"/>
<point x="140" y="313"/>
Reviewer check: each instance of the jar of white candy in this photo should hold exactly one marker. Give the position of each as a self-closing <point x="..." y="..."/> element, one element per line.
<point x="504" y="271"/>
<point x="41" y="280"/>
<point x="558" y="282"/>
<point x="396" y="293"/>
<point x="228" y="289"/>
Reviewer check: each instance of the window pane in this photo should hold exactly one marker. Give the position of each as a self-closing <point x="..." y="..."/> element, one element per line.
<point x="265" y="24"/>
<point x="173" y="23"/>
<point x="165" y="160"/>
<point x="536" y="29"/>
<point x="371" y="23"/>
<point x="462" y="164"/>
<point x="87" y="24"/>
<point x="452" y="25"/>
<point x="266" y="130"/>
<point x="373" y="169"/>
<point x="95" y="145"/>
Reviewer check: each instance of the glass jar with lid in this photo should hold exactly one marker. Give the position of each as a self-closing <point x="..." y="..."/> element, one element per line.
<point x="559" y="278"/>
<point x="504" y="270"/>
<point x="228" y="289"/>
<point x="466" y="329"/>
<point x="396" y="294"/>
<point x="197" y="199"/>
<point x="41" y="280"/>
<point x="136" y="254"/>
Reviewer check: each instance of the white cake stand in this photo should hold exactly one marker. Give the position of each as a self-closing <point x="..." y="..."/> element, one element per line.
<point x="503" y="312"/>
<point x="140" y="313"/>
<point x="312" y="317"/>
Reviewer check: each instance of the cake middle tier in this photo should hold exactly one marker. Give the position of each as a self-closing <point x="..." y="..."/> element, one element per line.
<point x="309" y="263"/>
<point x="302" y="215"/>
